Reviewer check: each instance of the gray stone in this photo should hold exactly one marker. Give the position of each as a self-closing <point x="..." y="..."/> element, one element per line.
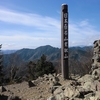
<point x="71" y="91"/>
<point x="52" y="89"/>
<point x="97" y="96"/>
<point x="51" y="98"/>
<point x="12" y="97"/>
<point x="95" y="86"/>
<point x="87" y="96"/>
<point x="86" y="78"/>
<point x="31" y="84"/>
<point x="87" y="86"/>
<point x="96" y="74"/>
<point x="76" y="99"/>
<point x="60" y="96"/>
<point x="2" y="89"/>
<point x="58" y="90"/>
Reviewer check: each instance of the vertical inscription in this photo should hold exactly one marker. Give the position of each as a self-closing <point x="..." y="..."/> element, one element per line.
<point x="65" y="35"/>
<point x="64" y="41"/>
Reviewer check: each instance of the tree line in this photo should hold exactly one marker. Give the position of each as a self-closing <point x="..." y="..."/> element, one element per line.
<point x="18" y="72"/>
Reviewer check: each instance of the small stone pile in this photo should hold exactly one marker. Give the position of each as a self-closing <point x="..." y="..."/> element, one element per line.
<point x="95" y="70"/>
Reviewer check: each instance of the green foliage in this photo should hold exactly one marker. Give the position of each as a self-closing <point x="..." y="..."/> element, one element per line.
<point x="31" y="70"/>
<point x="16" y="69"/>
<point x="13" y="72"/>
<point x="40" y="68"/>
<point x="10" y="82"/>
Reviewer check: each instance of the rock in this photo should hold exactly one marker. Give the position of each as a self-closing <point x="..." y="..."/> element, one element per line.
<point x="46" y="78"/>
<point x="30" y="84"/>
<point x="53" y="83"/>
<point x="11" y="97"/>
<point x="76" y="99"/>
<point x="54" y="80"/>
<point x="87" y="86"/>
<point x="60" y="96"/>
<point x="94" y="66"/>
<point x="86" y="78"/>
<point x="71" y="91"/>
<point x="42" y="99"/>
<point x="68" y="90"/>
<point x="2" y="89"/>
<point x="95" y="43"/>
<point x="92" y="98"/>
<point x="96" y="74"/>
<point x="51" y="98"/>
<point x="50" y="76"/>
<point x="89" y="95"/>
<point x="58" y="90"/>
<point x="95" y="86"/>
<point x="75" y="83"/>
<point x="52" y="89"/>
<point x="97" y="96"/>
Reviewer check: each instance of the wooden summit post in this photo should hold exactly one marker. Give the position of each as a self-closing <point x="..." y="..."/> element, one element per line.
<point x="64" y="41"/>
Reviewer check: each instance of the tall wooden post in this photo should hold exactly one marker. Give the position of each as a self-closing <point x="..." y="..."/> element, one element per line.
<point x="64" y="41"/>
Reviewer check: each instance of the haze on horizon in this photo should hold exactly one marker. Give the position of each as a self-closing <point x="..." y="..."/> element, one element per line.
<point x="30" y="24"/>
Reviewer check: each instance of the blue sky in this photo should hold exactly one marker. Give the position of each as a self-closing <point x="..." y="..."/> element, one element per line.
<point x="34" y="23"/>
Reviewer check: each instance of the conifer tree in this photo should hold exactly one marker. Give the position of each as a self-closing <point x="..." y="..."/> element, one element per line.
<point x="40" y="68"/>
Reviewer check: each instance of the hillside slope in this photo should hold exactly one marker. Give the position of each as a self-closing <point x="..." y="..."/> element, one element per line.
<point x="79" y="57"/>
<point x="52" y="53"/>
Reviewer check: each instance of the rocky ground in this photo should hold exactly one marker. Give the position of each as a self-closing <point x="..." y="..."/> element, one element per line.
<point x="39" y="89"/>
<point x="54" y="87"/>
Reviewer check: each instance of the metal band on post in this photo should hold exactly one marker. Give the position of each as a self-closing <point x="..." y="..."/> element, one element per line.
<point x="64" y="41"/>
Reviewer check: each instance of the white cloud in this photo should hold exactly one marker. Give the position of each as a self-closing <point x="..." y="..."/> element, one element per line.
<point x="84" y="23"/>
<point x="25" y="41"/>
<point x="47" y="31"/>
<point x="28" y="19"/>
<point x="82" y="33"/>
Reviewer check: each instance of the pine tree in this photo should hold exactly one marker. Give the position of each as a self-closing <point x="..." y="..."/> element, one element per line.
<point x="44" y="67"/>
<point x="40" y="68"/>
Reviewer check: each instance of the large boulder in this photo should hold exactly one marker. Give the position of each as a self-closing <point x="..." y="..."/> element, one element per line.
<point x="86" y="78"/>
<point x="96" y="74"/>
<point x="60" y="96"/>
<point x="87" y="86"/>
<point x="71" y="92"/>
<point x="95" y="86"/>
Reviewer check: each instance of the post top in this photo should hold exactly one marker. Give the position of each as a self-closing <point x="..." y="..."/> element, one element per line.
<point x="64" y="6"/>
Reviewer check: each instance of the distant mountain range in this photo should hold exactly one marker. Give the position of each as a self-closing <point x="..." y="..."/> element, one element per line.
<point x="78" y="56"/>
<point x="53" y="54"/>
<point x="8" y="51"/>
